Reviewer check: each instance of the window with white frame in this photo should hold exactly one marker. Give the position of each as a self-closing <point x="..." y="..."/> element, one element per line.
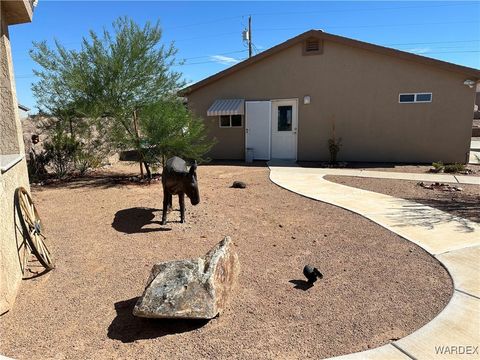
<point x="229" y="121"/>
<point x="415" y="98"/>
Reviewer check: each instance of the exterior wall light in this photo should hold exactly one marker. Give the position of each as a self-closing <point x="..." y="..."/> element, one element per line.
<point x="469" y="83"/>
<point x="306" y="99"/>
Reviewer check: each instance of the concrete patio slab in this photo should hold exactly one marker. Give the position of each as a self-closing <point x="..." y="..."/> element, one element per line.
<point x="381" y="353"/>
<point x="430" y="228"/>
<point x="474" y="157"/>
<point x="472" y="180"/>
<point x="455" y="242"/>
<point x="442" y="178"/>
<point x="456" y="326"/>
<point x="464" y="268"/>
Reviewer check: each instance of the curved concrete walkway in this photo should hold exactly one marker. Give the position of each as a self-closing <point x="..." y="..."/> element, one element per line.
<point x="454" y="241"/>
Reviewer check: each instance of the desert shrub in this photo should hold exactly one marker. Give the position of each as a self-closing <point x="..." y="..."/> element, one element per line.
<point x="169" y="128"/>
<point x="37" y="164"/>
<point x="93" y="149"/>
<point x="454" y="168"/>
<point x="437" y="166"/>
<point x="334" y="146"/>
<point x="86" y="160"/>
<point x="61" y="150"/>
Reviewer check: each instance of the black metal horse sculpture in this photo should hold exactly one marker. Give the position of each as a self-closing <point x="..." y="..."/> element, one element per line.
<point x="177" y="179"/>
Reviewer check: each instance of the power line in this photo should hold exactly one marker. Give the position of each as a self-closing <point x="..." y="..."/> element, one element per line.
<point x="16" y="60"/>
<point x="372" y="26"/>
<point x="435" y="42"/>
<point x="448" y="52"/>
<point x="316" y="12"/>
<point x="207" y="36"/>
<point x="360" y="10"/>
<point x="225" y="53"/>
<point x="211" y="62"/>
<point x="25" y="76"/>
<point x="332" y="27"/>
<point x="203" y="23"/>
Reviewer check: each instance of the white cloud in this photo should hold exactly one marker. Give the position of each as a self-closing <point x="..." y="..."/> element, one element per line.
<point x="226" y="60"/>
<point x="421" y="50"/>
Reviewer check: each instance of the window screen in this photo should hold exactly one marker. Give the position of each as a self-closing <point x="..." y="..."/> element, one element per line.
<point x="423" y="97"/>
<point x="285" y="118"/>
<point x="415" y="98"/>
<point x="407" y="98"/>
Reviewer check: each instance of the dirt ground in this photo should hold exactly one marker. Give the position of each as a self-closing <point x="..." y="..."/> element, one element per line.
<point x="105" y="236"/>
<point x="465" y="203"/>
<point x="474" y="170"/>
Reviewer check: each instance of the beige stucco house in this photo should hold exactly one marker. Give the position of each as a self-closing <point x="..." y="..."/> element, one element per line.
<point x="387" y="105"/>
<point x="13" y="168"/>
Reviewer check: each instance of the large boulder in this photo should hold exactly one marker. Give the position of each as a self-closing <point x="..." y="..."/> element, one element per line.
<point x="194" y="289"/>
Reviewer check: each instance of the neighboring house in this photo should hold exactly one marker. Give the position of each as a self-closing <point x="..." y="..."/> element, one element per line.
<point x="23" y="112"/>
<point x="13" y="168"/>
<point x="476" y="113"/>
<point x="387" y="105"/>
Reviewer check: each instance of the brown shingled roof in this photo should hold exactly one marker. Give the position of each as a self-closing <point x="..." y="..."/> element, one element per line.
<point x="475" y="73"/>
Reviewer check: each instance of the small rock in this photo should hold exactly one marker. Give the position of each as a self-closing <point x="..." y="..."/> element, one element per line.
<point x="193" y="289"/>
<point x="239" y="185"/>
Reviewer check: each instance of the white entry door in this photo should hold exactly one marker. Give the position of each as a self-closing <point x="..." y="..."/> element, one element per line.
<point x="257" y="128"/>
<point x="284" y="129"/>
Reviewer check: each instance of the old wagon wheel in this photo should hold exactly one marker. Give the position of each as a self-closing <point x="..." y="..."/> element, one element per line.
<point x="32" y="228"/>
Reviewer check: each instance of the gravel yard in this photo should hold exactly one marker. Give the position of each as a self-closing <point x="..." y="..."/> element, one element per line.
<point x="105" y="236"/>
<point x="395" y="167"/>
<point x="465" y="203"/>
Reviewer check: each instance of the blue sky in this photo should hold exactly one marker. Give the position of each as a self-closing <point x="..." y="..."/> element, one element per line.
<point x="208" y="34"/>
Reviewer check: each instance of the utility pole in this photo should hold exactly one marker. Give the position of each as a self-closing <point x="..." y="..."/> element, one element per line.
<point x="249" y="36"/>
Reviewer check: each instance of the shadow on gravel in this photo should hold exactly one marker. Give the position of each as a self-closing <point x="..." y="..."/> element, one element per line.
<point x="417" y="212"/>
<point x="301" y="284"/>
<point x="97" y="181"/>
<point x="128" y="328"/>
<point x="467" y="207"/>
<point x="134" y="220"/>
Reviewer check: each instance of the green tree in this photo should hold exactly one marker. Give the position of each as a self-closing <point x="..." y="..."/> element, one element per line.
<point x="168" y="129"/>
<point x="115" y="79"/>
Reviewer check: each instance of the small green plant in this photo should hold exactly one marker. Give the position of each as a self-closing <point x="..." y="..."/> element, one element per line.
<point x="334" y="146"/>
<point x="437" y="167"/>
<point x="85" y="161"/>
<point x="454" y="168"/>
<point x="37" y="164"/>
<point x="61" y="150"/>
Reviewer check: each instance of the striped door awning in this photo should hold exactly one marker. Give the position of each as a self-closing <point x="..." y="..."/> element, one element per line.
<point x="227" y="107"/>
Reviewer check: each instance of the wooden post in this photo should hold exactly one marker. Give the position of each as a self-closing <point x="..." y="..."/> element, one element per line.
<point x="249" y="36"/>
